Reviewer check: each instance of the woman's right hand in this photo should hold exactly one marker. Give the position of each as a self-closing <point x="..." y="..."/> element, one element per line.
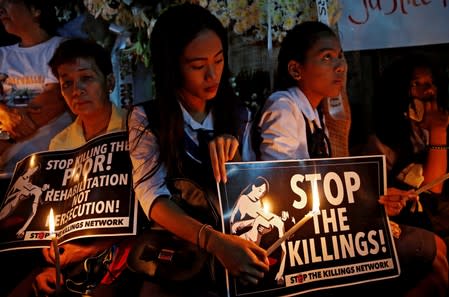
<point x="221" y="150"/>
<point x="72" y="253"/>
<point x="395" y="200"/>
<point x="435" y="118"/>
<point x="242" y="258"/>
<point x="45" y="282"/>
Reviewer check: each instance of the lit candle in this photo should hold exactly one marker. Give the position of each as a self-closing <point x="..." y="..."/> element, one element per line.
<point x="290" y="232"/>
<point x="54" y="240"/>
<point x="315" y="210"/>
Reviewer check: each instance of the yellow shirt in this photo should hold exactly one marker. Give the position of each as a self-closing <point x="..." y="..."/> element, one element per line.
<point x="73" y="136"/>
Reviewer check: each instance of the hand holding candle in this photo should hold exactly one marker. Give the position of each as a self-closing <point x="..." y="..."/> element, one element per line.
<point x="315" y="210"/>
<point x="54" y="241"/>
<point x="290" y="232"/>
<point x="432" y="183"/>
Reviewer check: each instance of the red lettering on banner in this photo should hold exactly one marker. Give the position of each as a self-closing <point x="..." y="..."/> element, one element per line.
<point x="396" y="6"/>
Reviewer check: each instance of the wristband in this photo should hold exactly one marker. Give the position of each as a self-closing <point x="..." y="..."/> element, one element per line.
<point x="438" y="147"/>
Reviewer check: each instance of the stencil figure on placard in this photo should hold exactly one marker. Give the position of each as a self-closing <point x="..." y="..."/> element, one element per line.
<point x="22" y="189"/>
<point x="255" y="220"/>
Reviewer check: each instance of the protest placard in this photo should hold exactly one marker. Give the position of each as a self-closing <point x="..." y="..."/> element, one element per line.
<point x="347" y="240"/>
<point x="89" y="189"/>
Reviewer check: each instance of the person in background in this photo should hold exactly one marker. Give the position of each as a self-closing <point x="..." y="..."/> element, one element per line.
<point x="169" y="138"/>
<point x="85" y="75"/>
<point x="32" y="110"/>
<point x="312" y="67"/>
<point x="412" y="96"/>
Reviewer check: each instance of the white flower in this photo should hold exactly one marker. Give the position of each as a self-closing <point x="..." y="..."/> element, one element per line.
<point x="289" y="23"/>
<point x="224" y="19"/>
<point x="203" y="3"/>
<point x="239" y="28"/>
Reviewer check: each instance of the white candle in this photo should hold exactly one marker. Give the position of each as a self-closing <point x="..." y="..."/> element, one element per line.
<point x="432" y="183"/>
<point x="54" y="241"/>
<point x="290" y="232"/>
<point x="308" y="216"/>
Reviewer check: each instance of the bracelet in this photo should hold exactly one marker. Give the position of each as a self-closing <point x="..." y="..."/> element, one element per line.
<point x="198" y="238"/>
<point x="206" y="238"/>
<point x="438" y="147"/>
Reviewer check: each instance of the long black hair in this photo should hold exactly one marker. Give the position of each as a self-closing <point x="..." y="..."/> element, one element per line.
<point x="295" y="46"/>
<point x="175" y="28"/>
<point x="259" y="181"/>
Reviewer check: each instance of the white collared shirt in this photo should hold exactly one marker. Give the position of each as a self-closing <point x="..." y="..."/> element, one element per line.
<point x="191" y="126"/>
<point x="283" y="127"/>
<point x="145" y="155"/>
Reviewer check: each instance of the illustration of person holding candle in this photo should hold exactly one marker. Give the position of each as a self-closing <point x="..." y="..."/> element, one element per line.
<point x="311" y="68"/>
<point x="255" y="220"/>
<point x="23" y="189"/>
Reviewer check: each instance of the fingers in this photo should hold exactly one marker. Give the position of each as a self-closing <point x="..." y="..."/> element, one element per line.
<point x="234" y="145"/>
<point x="257" y="268"/>
<point x="396" y="200"/>
<point x="243" y="259"/>
<point x="412" y="196"/>
<point x="397" y="194"/>
<point x="434" y="116"/>
<point x="262" y="257"/>
<point x="48" y="255"/>
<point x="430" y="106"/>
<point x="393" y="209"/>
<point x="214" y="161"/>
<point x="390" y="200"/>
<point x="434" y="105"/>
<point x="45" y="282"/>
<point x="222" y="149"/>
<point x="250" y="278"/>
<point x="252" y="273"/>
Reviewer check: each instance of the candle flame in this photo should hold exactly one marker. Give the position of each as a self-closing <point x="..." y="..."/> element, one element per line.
<point x="316" y="199"/>
<point x="51" y="222"/>
<point x="33" y="161"/>
<point x="266" y="207"/>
